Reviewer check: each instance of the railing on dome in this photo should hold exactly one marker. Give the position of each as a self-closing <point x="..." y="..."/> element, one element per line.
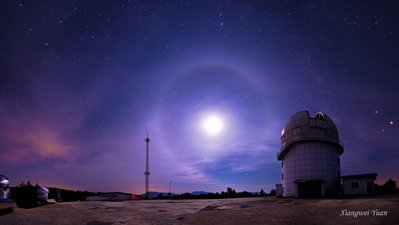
<point x="300" y="138"/>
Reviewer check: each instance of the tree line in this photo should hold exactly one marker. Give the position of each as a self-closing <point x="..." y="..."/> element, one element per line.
<point x="25" y="195"/>
<point x="229" y="193"/>
<point x="389" y="187"/>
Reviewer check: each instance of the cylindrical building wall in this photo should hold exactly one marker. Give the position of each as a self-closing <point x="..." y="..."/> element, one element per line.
<point x="309" y="161"/>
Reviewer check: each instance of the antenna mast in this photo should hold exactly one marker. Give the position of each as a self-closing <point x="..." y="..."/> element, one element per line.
<point x="170" y="187"/>
<point x="147" y="172"/>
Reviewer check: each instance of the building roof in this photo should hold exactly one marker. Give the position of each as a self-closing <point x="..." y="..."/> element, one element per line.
<point x="301" y="127"/>
<point x="363" y="175"/>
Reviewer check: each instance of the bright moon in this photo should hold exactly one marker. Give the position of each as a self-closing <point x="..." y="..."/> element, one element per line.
<point x="212" y="125"/>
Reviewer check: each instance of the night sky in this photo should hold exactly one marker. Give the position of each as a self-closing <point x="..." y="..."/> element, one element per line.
<point x="81" y="83"/>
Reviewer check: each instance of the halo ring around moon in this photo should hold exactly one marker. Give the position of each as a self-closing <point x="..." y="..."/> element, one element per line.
<point x="188" y="94"/>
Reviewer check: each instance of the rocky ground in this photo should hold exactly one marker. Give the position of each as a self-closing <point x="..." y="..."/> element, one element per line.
<point x="262" y="210"/>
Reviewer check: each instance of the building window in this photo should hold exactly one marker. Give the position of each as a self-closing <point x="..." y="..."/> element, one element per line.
<point x="355" y="185"/>
<point x="296" y="131"/>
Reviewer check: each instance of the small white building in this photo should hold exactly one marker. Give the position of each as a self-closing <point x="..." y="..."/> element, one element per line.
<point x="359" y="184"/>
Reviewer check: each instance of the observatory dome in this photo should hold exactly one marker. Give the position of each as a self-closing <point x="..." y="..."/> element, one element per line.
<point x="42" y="193"/>
<point x="301" y="127"/>
<point x="4" y="182"/>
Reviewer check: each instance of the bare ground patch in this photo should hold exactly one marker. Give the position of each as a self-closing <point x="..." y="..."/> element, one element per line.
<point x="266" y="210"/>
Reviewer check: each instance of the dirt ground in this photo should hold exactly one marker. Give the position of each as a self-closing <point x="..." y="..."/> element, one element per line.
<point x="261" y="210"/>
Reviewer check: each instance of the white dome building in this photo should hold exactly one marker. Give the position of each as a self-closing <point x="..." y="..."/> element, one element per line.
<point x="310" y="154"/>
<point x="4" y="188"/>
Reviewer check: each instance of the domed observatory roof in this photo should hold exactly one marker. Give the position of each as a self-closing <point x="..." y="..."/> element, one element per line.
<point x="42" y="193"/>
<point x="4" y="182"/>
<point x="301" y="127"/>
